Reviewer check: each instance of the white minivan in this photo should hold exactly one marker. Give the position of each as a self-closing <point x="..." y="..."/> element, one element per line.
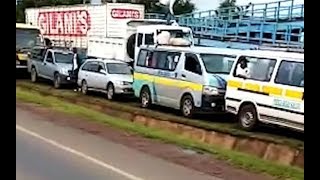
<point x="267" y="87"/>
<point x="192" y="79"/>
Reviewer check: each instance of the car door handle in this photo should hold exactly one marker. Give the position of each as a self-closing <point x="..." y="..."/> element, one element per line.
<point x="44" y="63"/>
<point x="183" y="75"/>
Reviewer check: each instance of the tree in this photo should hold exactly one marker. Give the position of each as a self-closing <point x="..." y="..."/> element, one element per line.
<point x="180" y="6"/>
<point x="227" y="7"/>
<point x="227" y="4"/>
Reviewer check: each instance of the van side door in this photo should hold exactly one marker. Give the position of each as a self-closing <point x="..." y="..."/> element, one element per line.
<point x="46" y="65"/>
<point x="167" y="84"/>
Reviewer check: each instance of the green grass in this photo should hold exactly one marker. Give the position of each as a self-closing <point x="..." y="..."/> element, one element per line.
<point x="223" y="127"/>
<point x="238" y="159"/>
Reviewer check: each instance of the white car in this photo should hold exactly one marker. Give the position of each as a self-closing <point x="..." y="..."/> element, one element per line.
<point x="108" y="76"/>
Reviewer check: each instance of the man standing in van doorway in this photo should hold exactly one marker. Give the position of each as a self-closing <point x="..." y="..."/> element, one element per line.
<point x="242" y="68"/>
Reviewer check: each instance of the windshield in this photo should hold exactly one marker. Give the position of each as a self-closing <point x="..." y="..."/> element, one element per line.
<point x="64" y="58"/>
<point x="27" y="38"/>
<point x="118" y="68"/>
<point x="215" y="63"/>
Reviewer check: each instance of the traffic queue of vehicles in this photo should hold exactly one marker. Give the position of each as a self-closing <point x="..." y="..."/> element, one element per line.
<point x="269" y="88"/>
<point x="156" y="61"/>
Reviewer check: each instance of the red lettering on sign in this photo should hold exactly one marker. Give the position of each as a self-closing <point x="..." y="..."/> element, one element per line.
<point x="64" y="23"/>
<point x="125" y="14"/>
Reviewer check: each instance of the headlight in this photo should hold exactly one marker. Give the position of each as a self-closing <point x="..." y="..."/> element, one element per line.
<point x="64" y="71"/>
<point x="209" y="90"/>
<point x="122" y="83"/>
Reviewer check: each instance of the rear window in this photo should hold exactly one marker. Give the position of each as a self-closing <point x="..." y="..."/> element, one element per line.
<point x="118" y="68"/>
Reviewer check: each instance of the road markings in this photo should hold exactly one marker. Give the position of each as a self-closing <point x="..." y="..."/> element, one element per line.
<point x="80" y="154"/>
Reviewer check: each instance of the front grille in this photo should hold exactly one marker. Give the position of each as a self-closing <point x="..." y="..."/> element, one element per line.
<point x="218" y="100"/>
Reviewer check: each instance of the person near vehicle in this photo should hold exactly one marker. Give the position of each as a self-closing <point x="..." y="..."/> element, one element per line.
<point x="76" y="65"/>
<point x="242" y="68"/>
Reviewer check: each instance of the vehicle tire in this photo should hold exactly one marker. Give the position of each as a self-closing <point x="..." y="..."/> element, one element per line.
<point x="187" y="106"/>
<point x="247" y="117"/>
<point x="110" y="91"/>
<point x="57" y="81"/>
<point x="34" y="75"/>
<point x="84" y="87"/>
<point x="145" y="98"/>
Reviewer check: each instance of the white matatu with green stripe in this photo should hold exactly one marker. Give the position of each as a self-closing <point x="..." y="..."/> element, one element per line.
<point x="268" y="87"/>
<point x="192" y="79"/>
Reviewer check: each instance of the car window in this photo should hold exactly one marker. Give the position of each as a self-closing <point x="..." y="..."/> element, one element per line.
<point x="118" y="68"/>
<point x="91" y="66"/>
<point x="192" y="64"/>
<point x="94" y="67"/>
<point x="142" y="58"/>
<point x="290" y="73"/>
<point x="49" y="57"/>
<point x="85" y="67"/>
<point x="259" y="69"/>
<point x="166" y="60"/>
<point x="101" y="66"/>
<point x="216" y="63"/>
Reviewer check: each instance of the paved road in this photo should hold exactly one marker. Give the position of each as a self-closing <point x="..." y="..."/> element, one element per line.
<point x="45" y="151"/>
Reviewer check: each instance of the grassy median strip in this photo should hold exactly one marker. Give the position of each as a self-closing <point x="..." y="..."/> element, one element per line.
<point x="214" y="125"/>
<point x="235" y="158"/>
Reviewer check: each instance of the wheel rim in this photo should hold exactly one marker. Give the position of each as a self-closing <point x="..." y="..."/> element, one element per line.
<point x="110" y="92"/>
<point x="247" y="119"/>
<point x="187" y="107"/>
<point x="84" y="87"/>
<point x="145" y="99"/>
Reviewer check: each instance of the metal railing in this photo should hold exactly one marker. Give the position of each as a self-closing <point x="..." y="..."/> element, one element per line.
<point x="274" y="11"/>
<point x="246" y="31"/>
<point x="272" y="24"/>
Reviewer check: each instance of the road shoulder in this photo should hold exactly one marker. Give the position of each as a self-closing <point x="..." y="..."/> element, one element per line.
<point x="200" y="162"/>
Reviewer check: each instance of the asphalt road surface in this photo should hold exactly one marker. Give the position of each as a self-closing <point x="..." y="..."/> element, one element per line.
<point x="45" y="151"/>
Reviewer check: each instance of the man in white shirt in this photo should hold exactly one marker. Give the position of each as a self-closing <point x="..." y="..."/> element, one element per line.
<point x="242" y="68"/>
<point x="75" y="66"/>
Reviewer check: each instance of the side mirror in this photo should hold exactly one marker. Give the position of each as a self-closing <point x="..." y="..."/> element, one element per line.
<point x="102" y="71"/>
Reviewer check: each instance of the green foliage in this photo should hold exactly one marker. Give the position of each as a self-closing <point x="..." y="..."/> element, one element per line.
<point x="227" y="7"/>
